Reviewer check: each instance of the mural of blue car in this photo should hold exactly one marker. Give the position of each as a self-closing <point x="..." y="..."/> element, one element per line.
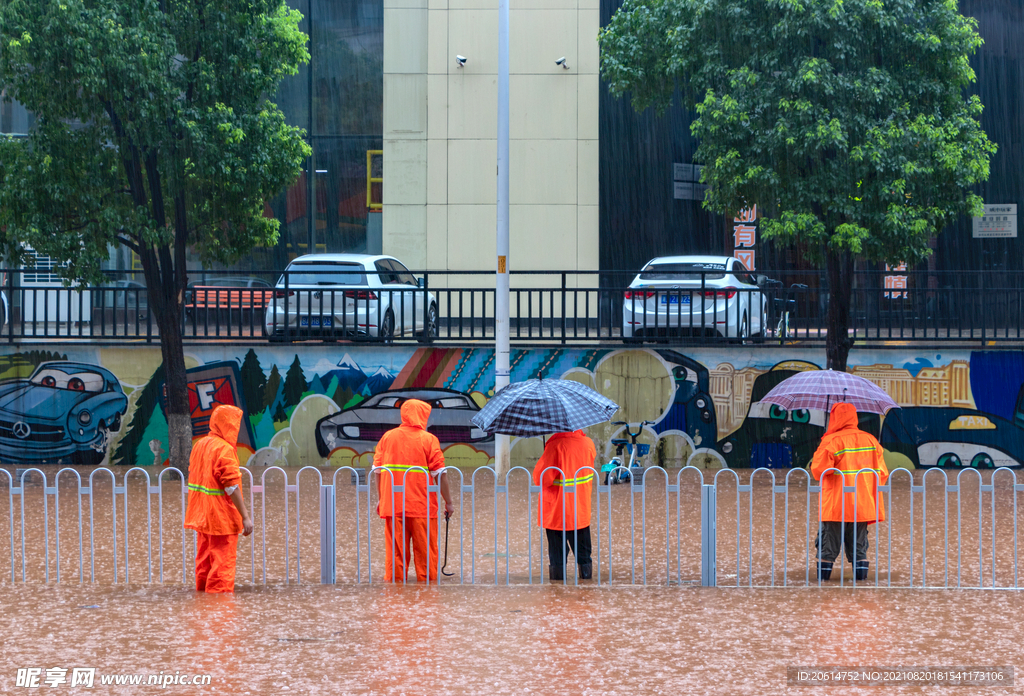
<point x="65" y="410"/>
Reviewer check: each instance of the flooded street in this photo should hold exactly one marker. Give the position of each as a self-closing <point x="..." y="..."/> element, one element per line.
<point x="289" y="634"/>
<point x="483" y="640"/>
<point x="765" y="530"/>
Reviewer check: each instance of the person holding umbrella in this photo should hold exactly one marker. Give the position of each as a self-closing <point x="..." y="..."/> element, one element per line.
<point x="566" y="477"/>
<point x="845" y="516"/>
<point x="563" y="407"/>
<point x="844" y="447"/>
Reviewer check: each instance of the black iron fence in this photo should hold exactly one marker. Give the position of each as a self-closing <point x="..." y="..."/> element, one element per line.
<point x="545" y="307"/>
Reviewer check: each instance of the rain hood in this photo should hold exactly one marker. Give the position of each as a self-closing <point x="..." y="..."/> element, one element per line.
<point x="415" y="414"/>
<point x="227" y="420"/>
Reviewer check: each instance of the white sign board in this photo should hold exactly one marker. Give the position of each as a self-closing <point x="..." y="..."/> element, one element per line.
<point x="998" y="221"/>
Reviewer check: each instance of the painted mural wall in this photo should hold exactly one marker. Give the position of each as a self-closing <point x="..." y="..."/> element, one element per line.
<point x="328" y="404"/>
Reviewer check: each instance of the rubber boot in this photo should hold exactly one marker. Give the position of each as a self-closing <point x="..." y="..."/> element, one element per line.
<point x="555" y="573"/>
<point x="586" y="571"/>
<point x="861" y="570"/>
<point x="824" y="570"/>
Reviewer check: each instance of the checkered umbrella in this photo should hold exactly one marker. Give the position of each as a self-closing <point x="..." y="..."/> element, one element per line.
<point x="542" y="407"/>
<point x="820" y="389"/>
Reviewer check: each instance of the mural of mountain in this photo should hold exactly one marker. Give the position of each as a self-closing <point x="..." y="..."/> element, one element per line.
<point x="379" y="381"/>
<point x="348" y="374"/>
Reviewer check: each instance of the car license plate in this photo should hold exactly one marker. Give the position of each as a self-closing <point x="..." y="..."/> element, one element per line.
<point x="675" y="299"/>
<point x="314" y="321"/>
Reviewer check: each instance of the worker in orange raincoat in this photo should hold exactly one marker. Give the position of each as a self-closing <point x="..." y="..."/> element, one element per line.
<point x="216" y="509"/>
<point x="567" y="461"/>
<point x="403" y="457"/>
<point x="847" y="448"/>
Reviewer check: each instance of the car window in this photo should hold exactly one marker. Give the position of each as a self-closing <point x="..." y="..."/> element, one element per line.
<point x="683" y="271"/>
<point x="390" y="402"/>
<point x="90" y="382"/>
<point x="387" y="274"/>
<point x="742" y="274"/>
<point x="325" y="273"/>
<point x="404" y="276"/>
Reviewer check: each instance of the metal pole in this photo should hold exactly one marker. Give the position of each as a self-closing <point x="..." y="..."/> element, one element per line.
<point x="708" y="528"/>
<point x="502" y="443"/>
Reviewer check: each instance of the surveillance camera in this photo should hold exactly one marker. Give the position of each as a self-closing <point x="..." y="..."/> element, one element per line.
<point x="461" y="60"/>
<point x="561" y="61"/>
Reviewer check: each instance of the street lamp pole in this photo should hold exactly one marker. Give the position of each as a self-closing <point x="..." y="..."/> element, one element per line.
<point x="502" y="443"/>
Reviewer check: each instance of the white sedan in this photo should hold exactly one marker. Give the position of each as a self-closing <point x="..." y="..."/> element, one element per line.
<point x="350" y="296"/>
<point x="695" y="296"/>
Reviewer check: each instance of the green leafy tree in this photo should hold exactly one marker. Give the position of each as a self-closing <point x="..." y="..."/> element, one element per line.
<point x="153" y="131"/>
<point x="844" y="121"/>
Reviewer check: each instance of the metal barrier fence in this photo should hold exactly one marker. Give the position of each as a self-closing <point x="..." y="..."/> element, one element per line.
<point x="545" y="307"/>
<point x="680" y="527"/>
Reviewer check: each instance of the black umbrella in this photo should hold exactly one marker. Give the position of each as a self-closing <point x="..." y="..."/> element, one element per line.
<point x="544" y="406"/>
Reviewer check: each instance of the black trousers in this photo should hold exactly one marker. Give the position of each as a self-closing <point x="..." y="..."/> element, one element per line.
<point x="577" y="541"/>
<point x="833" y="535"/>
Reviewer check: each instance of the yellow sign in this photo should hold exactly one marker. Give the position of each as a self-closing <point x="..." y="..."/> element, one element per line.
<point x="501" y="264"/>
<point x="972" y="423"/>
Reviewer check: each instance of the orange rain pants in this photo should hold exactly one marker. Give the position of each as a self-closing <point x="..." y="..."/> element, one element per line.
<point x="215" y="562"/>
<point x="396" y="547"/>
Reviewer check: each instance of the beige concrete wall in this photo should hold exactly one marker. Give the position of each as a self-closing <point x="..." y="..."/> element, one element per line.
<point x="440" y="127"/>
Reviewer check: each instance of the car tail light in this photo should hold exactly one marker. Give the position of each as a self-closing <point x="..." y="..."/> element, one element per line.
<point x="362" y="294"/>
<point x="729" y="293"/>
<point x="284" y="293"/>
<point x="639" y="294"/>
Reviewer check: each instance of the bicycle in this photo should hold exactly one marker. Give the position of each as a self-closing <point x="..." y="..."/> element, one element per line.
<point x="784" y="306"/>
<point x="613" y="470"/>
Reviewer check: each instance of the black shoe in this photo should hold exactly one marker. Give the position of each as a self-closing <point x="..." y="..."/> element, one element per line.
<point x="861" y="570"/>
<point x="824" y="570"/>
<point x="555" y="573"/>
<point x="586" y="571"/>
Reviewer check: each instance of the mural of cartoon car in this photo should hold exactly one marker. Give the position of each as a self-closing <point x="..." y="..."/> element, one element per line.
<point x="65" y="410"/>
<point x="692" y="410"/>
<point x="775" y="438"/>
<point x="363" y="425"/>
<point x="953" y="437"/>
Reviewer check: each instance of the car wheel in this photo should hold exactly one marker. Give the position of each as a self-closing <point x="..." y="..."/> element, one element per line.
<point x="386" y="332"/>
<point x="429" y="332"/>
<point x="743" y="332"/>
<point x="115" y="425"/>
<point x="951" y="460"/>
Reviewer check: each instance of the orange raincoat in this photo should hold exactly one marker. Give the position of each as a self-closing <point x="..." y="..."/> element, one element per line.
<point x="570" y="453"/>
<point x="402" y="457"/>
<point x="409" y="446"/>
<point x="212" y="468"/>
<point x="847" y="448"/>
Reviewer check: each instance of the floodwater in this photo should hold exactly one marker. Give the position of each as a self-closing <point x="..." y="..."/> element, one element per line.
<point x="293" y="635"/>
<point x="350" y="639"/>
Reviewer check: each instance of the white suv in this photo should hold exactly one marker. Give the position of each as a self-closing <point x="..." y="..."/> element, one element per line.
<point x="694" y="295"/>
<point x="350" y="296"/>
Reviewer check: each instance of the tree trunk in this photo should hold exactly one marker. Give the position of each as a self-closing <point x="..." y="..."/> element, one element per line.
<point x="166" y="302"/>
<point x="839" y="265"/>
<point x="179" y="416"/>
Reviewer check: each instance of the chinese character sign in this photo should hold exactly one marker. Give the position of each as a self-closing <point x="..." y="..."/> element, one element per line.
<point x="896" y="285"/>
<point x="744" y="236"/>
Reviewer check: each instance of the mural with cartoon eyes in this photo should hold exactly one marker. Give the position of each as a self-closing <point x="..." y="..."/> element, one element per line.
<point x="64" y="412"/>
<point x="313" y="404"/>
<point x="800" y="415"/>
